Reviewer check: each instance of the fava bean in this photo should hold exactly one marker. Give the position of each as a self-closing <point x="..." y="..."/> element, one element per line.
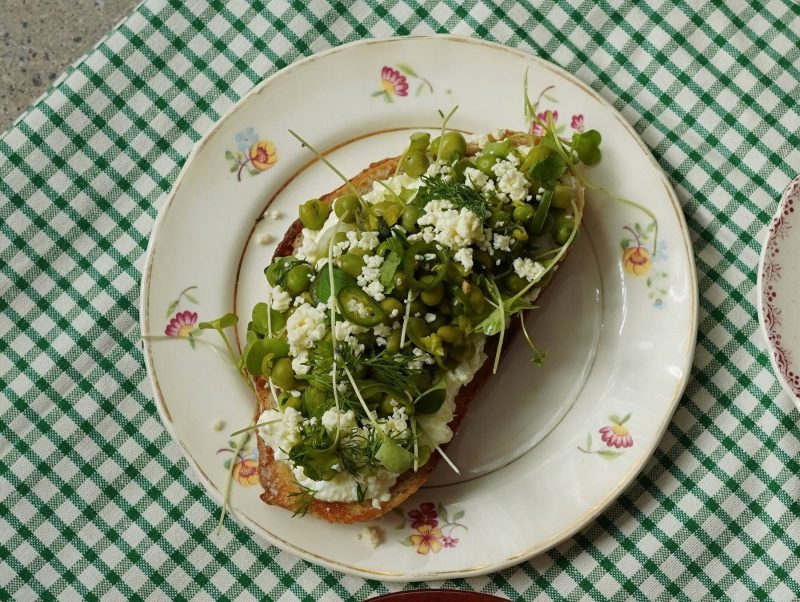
<point x="415" y="163"/>
<point x="298" y="279"/>
<point x="283" y="374"/>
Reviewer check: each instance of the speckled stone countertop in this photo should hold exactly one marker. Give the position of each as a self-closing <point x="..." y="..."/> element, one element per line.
<point x="40" y="38"/>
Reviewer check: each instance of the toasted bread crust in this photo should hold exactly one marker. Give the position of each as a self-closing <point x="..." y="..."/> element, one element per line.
<point x="280" y="487"/>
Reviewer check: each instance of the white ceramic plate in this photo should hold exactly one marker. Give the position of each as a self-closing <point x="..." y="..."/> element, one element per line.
<point x="543" y="450"/>
<point x="779" y="291"/>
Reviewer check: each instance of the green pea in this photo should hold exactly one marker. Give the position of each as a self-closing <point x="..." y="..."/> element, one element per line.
<point x="417" y="329"/>
<point x="562" y="196"/>
<point x="415" y="163"/>
<point x="298" y="279"/>
<point x="497" y="149"/>
<point x="523" y="214"/>
<point x="390" y="305"/>
<point x="562" y="229"/>
<point x="340" y="236"/>
<point x="514" y="283"/>
<point x="313" y="214"/>
<point x="393" y="342"/>
<point x="435" y="146"/>
<point x="346" y="207"/>
<point x="452" y="146"/>
<point x="409" y="218"/>
<point x="432" y="296"/>
<point x="400" y="284"/>
<point x="444" y="308"/>
<point x="352" y="264"/>
<point x="449" y="334"/>
<point x="477" y="300"/>
<point x="484" y="163"/>
<point x="417" y="307"/>
<point x="419" y="141"/>
<point x="283" y="374"/>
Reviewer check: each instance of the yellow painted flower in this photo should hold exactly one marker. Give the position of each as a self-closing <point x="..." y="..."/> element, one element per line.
<point x="246" y="472"/>
<point x="637" y="261"/>
<point x="428" y="538"/>
<point x="263" y="155"/>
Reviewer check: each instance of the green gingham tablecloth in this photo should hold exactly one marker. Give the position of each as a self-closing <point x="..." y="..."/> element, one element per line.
<point x="96" y="501"/>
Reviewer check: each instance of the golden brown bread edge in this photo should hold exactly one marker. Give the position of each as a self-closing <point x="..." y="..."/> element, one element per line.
<point x="280" y="487"/>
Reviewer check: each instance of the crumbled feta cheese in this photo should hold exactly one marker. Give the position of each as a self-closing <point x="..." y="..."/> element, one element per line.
<point x="394" y="313"/>
<point x="464" y="257"/>
<point x="381" y="342"/>
<point x="509" y="180"/>
<point x="331" y="417"/>
<point x="502" y="242"/>
<point x="277" y="298"/>
<point x="281" y="431"/>
<point x="370" y="535"/>
<point x="305" y="326"/>
<point x="382" y="330"/>
<point x="265" y="238"/>
<point x="307" y="249"/>
<point x="475" y="178"/>
<point x="370" y="277"/>
<point x="397" y="422"/>
<point x="528" y="269"/>
<point x="479" y="140"/>
<point x="363" y="240"/>
<point x="439" y="168"/>
<point x="453" y="228"/>
<point x="300" y="363"/>
<point x="429" y="317"/>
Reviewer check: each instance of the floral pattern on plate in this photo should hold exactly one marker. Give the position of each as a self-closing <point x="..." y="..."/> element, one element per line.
<point x="245" y="463"/>
<point x="395" y="82"/>
<point x="434" y="527"/>
<point x="771" y="274"/>
<point x="615" y="436"/>
<point x="254" y="154"/>
<point x="639" y="260"/>
<point x="183" y="324"/>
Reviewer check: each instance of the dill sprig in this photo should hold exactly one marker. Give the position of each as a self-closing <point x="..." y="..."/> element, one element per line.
<point x="384" y="367"/>
<point x="438" y="188"/>
<point x="303" y="498"/>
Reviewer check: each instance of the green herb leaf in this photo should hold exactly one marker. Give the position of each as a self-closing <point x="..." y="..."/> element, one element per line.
<point x="390" y="264"/>
<point x="321" y="288"/>
<point x="277" y="270"/>
<point x="548" y="168"/>
<point x="587" y="146"/>
<point x="220" y="323"/>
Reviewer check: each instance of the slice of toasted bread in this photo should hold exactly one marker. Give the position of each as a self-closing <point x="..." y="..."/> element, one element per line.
<point x="280" y="487"/>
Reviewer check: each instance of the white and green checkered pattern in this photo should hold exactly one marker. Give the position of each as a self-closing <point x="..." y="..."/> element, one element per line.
<point x="97" y="501"/>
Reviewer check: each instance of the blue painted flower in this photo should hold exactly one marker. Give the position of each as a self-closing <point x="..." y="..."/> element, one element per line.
<point x="246" y="139"/>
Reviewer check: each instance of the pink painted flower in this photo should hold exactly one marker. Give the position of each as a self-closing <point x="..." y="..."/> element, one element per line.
<point x="577" y="123"/>
<point x="537" y="128"/>
<point x="449" y="542"/>
<point x="393" y="82"/>
<point x="616" y="435"/>
<point x="426" y="515"/>
<point x="182" y="325"/>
